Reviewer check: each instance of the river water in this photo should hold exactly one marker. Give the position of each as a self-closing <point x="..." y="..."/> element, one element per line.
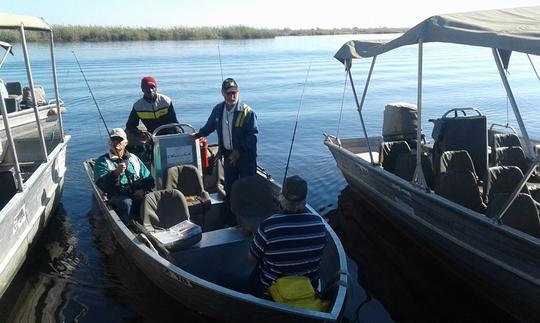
<point x="76" y="273"/>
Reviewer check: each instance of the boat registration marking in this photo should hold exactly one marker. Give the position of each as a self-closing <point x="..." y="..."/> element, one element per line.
<point x="179" y="278"/>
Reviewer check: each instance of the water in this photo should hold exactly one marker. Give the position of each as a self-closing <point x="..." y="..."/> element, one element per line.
<point x="77" y="274"/>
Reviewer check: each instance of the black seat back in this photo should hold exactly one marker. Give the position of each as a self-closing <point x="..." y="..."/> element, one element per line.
<point x="9" y="187"/>
<point x="462" y="133"/>
<point x="521" y="215"/>
<point x="511" y="156"/>
<point x="390" y="151"/>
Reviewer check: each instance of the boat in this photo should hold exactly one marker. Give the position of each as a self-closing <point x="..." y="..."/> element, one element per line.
<point x="468" y="196"/>
<point x="32" y="159"/>
<point x="209" y="271"/>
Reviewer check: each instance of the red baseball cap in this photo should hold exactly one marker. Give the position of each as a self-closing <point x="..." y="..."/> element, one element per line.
<point x="148" y="80"/>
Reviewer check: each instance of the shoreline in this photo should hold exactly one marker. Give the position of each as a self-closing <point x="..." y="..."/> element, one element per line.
<point x="67" y="34"/>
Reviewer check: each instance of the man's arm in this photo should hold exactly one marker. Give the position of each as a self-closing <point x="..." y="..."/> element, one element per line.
<point x="133" y="121"/>
<point x="104" y="178"/>
<point x="248" y="143"/>
<point x="210" y="125"/>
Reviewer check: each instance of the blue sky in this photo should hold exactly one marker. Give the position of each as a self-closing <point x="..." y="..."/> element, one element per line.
<point x="254" y="13"/>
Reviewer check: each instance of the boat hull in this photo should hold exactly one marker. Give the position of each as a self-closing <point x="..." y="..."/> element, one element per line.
<point x="28" y="212"/>
<point x="214" y="300"/>
<point x="503" y="264"/>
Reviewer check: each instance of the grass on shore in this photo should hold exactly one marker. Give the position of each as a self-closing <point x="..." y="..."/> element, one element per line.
<point x="105" y="34"/>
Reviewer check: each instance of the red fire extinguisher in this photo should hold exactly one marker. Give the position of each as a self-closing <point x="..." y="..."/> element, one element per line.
<point x="204" y="152"/>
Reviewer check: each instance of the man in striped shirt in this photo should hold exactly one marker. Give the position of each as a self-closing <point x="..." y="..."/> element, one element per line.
<point x="290" y="243"/>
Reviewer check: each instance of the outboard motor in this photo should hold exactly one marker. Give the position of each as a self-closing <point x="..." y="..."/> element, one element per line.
<point x="400" y="122"/>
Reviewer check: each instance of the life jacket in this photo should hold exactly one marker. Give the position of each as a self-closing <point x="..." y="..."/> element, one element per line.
<point x="242" y="116"/>
<point x="132" y="159"/>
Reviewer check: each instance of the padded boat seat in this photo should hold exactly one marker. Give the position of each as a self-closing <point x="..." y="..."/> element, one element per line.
<point x="253" y="199"/>
<point x="406" y="165"/>
<point x="462" y="133"/>
<point x="497" y="140"/>
<point x="390" y="150"/>
<point x="187" y="180"/>
<point x="458" y="182"/>
<point x="521" y="215"/>
<point x="511" y="156"/>
<point x="504" y="179"/>
<point x="163" y="211"/>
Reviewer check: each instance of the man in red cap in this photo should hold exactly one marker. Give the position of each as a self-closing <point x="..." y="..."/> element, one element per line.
<point x="153" y="109"/>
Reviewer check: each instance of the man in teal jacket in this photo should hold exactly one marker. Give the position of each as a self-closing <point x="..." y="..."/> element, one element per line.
<point x="236" y="126"/>
<point x="122" y="176"/>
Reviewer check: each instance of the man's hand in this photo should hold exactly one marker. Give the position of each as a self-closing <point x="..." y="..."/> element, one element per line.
<point x="138" y="195"/>
<point x="192" y="136"/>
<point x="120" y="169"/>
<point x="233" y="157"/>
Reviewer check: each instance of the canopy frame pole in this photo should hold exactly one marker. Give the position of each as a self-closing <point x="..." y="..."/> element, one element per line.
<point x="32" y="89"/>
<point x="11" y="143"/>
<point x="360" y="105"/>
<point x="55" y="81"/>
<point x="5" y="56"/>
<point x="418" y="177"/>
<point x="530" y="148"/>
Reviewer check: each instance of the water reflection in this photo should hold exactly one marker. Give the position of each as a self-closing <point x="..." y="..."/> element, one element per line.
<point x="412" y="285"/>
<point x="40" y="291"/>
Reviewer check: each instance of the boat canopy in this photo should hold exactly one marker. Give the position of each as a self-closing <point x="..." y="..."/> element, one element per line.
<point x="516" y="29"/>
<point x="11" y="21"/>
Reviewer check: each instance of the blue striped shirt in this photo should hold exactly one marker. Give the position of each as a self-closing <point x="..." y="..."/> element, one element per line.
<point x="289" y="245"/>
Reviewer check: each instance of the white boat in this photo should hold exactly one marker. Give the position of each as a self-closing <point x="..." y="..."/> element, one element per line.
<point x="32" y="160"/>
<point x="470" y="196"/>
<point x="209" y="271"/>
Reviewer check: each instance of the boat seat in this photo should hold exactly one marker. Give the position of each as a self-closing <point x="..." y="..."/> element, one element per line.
<point x="166" y="209"/>
<point x="458" y="183"/>
<point x="12" y="101"/>
<point x="521" y="215"/>
<point x="511" y="156"/>
<point x="187" y="180"/>
<point x="9" y="187"/>
<point x="461" y="133"/>
<point x="458" y="160"/>
<point x="253" y="199"/>
<point x="504" y="179"/>
<point x="497" y="140"/>
<point x="406" y="165"/>
<point x="390" y="150"/>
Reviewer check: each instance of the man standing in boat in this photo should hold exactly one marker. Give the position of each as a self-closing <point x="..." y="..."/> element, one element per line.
<point x="122" y="176"/>
<point x="289" y="243"/>
<point x="236" y="126"/>
<point x="153" y="109"/>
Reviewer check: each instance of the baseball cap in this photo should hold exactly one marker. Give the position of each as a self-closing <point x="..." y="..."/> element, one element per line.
<point x="118" y="132"/>
<point x="229" y="85"/>
<point x="294" y="189"/>
<point x="148" y="80"/>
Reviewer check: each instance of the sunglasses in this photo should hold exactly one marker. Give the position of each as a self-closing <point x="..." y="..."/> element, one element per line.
<point x="117" y="139"/>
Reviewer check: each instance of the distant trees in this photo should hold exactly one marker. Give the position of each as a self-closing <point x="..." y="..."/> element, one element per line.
<point x="63" y="33"/>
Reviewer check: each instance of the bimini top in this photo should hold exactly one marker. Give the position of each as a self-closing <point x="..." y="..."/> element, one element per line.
<point x="11" y="21"/>
<point x="516" y="29"/>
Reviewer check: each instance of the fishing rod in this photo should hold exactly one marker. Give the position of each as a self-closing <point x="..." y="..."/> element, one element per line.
<point x="296" y="123"/>
<point x="220" y="67"/>
<point x="92" y="94"/>
<point x="103" y="120"/>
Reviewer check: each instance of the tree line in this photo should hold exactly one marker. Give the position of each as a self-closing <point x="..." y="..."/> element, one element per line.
<point x="63" y="33"/>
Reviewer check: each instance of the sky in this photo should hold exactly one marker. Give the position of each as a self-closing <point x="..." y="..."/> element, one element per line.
<point x="295" y="14"/>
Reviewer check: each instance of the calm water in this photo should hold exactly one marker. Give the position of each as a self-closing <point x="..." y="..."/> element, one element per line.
<point x="77" y="274"/>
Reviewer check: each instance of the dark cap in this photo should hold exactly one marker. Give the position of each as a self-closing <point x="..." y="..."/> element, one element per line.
<point x="229" y="85"/>
<point x="148" y="80"/>
<point x="294" y="189"/>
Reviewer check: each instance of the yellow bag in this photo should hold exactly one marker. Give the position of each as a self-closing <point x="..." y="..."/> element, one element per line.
<point x="297" y="291"/>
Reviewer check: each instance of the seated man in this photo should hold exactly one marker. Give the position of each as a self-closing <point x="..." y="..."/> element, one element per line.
<point x="122" y="176"/>
<point x="290" y="243"/>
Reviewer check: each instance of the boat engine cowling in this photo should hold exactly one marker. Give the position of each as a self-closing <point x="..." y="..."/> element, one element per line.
<point x="400" y="122"/>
